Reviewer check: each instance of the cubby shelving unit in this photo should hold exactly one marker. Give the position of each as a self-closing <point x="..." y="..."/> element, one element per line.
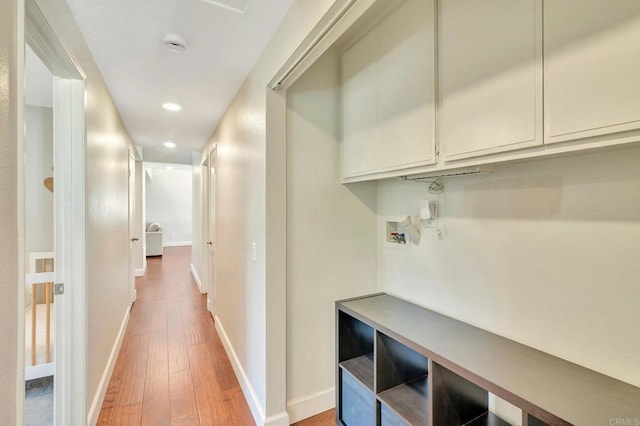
<point x="401" y="364"/>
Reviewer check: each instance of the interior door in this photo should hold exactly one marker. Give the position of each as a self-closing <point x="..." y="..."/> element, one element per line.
<point x="133" y="237"/>
<point x="211" y="231"/>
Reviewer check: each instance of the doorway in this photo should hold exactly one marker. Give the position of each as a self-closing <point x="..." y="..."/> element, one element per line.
<point x="52" y="185"/>
<point x="209" y="176"/>
<point x="133" y="226"/>
<point x="39" y="305"/>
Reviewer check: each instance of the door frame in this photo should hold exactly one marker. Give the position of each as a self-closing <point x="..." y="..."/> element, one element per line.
<point x="132" y="214"/>
<point x="69" y="206"/>
<point x="204" y="219"/>
<point x="211" y="279"/>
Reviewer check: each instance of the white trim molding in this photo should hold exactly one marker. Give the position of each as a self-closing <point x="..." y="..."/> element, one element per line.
<point x="197" y="278"/>
<point x="280" y="419"/>
<point x="32" y="372"/>
<point x="176" y="243"/>
<point x="308" y="406"/>
<point x="256" y="408"/>
<point x="94" y="411"/>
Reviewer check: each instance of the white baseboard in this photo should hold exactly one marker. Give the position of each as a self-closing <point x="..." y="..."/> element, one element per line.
<point x="308" y="406"/>
<point x="281" y="419"/>
<point x="140" y="272"/>
<point x="196" y="278"/>
<point x="94" y="412"/>
<point x="176" y="243"/>
<point x="254" y="404"/>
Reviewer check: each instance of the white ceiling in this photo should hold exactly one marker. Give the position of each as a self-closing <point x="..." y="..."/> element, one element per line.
<point x="125" y="38"/>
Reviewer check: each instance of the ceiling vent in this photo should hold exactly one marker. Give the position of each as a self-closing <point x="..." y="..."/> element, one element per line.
<point x="234" y="5"/>
<point x="174" y="43"/>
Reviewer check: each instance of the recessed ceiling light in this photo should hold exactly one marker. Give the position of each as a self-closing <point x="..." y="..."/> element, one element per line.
<point x="169" y="167"/>
<point x="169" y="144"/>
<point x="171" y="106"/>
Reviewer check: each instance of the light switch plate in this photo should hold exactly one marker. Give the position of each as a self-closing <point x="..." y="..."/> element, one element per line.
<point x="254" y="255"/>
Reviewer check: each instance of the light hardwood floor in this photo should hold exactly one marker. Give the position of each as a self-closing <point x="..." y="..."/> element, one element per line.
<point x="323" y="419"/>
<point x="172" y="368"/>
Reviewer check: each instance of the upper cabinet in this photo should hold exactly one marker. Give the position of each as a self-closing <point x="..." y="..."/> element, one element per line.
<point x="591" y="69"/>
<point x="489" y="76"/>
<point x="515" y="80"/>
<point x="388" y="93"/>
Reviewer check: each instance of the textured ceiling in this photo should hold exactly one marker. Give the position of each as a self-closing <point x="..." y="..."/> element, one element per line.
<point x="125" y="38"/>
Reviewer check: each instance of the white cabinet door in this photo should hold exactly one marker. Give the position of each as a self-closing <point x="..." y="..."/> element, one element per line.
<point x="388" y="93"/>
<point x="360" y="133"/>
<point x="489" y="76"/>
<point x="591" y="68"/>
<point x="406" y="80"/>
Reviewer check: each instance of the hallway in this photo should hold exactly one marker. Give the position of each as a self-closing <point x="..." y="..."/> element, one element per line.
<point x="172" y="368"/>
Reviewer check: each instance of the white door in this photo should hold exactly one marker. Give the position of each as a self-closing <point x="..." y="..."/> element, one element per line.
<point x="211" y="232"/>
<point x="591" y="68"/>
<point x="133" y="232"/>
<point x="490" y="84"/>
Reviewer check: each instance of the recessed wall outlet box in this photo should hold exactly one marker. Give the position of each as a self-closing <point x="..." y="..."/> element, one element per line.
<point x="394" y="236"/>
<point x="392" y="233"/>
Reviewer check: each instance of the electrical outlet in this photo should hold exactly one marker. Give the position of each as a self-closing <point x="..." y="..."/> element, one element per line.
<point x="254" y="255"/>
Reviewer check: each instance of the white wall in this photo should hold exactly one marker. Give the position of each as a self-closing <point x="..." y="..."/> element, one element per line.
<point x="331" y="241"/>
<point x="196" y="222"/>
<point x="169" y="200"/>
<point x="107" y="233"/>
<point x="38" y="165"/>
<point x="39" y="81"/>
<point x="10" y="83"/>
<point x="241" y="297"/>
<point x="543" y="252"/>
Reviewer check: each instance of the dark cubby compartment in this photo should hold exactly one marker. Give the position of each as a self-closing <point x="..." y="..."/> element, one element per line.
<point x="402" y="383"/>
<point x="358" y="407"/>
<point x="408" y="401"/>
<point x="355" y="348"/>
<point x="534" y="421"/>
<point x="456" y="401"/>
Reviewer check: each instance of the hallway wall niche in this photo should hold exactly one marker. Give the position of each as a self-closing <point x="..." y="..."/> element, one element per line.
<point x="331" y="238"/>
